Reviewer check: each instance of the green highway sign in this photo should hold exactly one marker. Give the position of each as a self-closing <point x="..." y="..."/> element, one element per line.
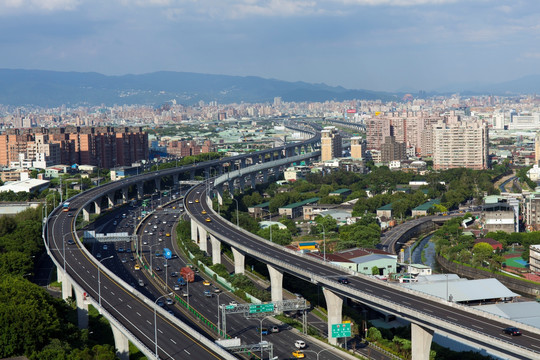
<point x="259" y="308"/>
<point x="341" y="330"/>
<point x="230" y="307"/>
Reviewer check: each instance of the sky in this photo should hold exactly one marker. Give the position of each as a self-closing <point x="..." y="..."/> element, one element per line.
<point x="386" y="45"/>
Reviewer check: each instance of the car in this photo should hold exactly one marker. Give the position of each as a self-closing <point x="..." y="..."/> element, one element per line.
<point x="137" y="267"/>
<point x="181" y="281"/>
<point x="203" y="212"/>
<point x="128" y="251"/>
<point x="160" y="303"/>
<point x="185" y="294"/>
<point x="120" y="250"/>
<point x="145" y="242"/>
<point x="167" y="234"/>
<point x="217" y="290"/>
<point x="124" y="260"/>
<point x="157" y="254"/>
<point x="233" y="303"/>
<point x="70" y="242"/>
<point x="298" y="354"/>
<point x="176" y="287"/>
<point x="98" y="255"/>
<point x="206" y="283"/>
<point x="164" y="222"/>
<point x="190" y="202"/>
<point x="131" y="258"/>
<point x="208" y="219"/>
<point x="299" y="344"/>
<point x="141" y="283"/>
<point x="196" y="200"/>
<point x="343" y="280"/>
<point x="150" y="233"/>
<point x="160" y="239"/>
<point x="105" y="247"/>
<point x="208" y="293"/>
<point x="174" y="274"/>
<point x="157" y="268"/>
<point x="264" y="331"/>
<point x="274" y="329"/>
<point x="169" y="301"/>
<point x="514" y="331"/>
<point x="166" y="264"/>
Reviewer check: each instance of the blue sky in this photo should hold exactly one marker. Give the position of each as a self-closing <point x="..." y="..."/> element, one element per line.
<point x="357" y="44"/>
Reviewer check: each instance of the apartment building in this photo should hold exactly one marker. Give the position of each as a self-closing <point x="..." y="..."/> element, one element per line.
<point x="99" y="146"/>
<point x="392" y="150"/>
<point x="358" y="148"/>
<point x="460" y="144"/>
<point x="331" y="146"/>
<point x="534" y="259"/>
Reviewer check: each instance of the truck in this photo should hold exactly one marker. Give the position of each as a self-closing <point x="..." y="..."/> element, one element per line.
<point x="167" y="253"/>
<point x="188" y="274"/>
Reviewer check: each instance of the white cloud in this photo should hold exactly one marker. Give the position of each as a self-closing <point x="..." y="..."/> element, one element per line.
<point x="273" y="8"/>
<point x="37" y="5"/>
<point x="397" y="2"/>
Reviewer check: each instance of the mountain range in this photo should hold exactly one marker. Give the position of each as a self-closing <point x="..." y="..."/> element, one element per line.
<point x="55" y="88"/>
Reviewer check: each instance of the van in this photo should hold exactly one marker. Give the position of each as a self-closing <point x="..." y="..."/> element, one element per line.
<point x="141" y="283"/>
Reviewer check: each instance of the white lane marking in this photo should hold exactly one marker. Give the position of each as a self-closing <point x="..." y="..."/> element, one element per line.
<point x="129" y="306"/>
<point x="478" y="327"/>
<point x="428" y="310"/>
<point x="113" y="293"/>
<point x="187" y="352"/>
<point x="120" y="299"/>
<point x="405" y="302"/>
<point x="138" y="313"/>
<point x="451" y="318"/>
<point x="160" y="331"/>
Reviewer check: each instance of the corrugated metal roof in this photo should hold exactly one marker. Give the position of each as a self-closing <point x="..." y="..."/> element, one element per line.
<point x="465" y="290"/>
<point x="527" y="312"/>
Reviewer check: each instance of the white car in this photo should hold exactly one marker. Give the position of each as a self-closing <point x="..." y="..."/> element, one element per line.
<point x="190" y="202"/>
<point x="300" y="344"/>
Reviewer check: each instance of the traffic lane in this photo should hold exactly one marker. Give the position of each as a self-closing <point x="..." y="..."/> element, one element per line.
<point x="492" y="330"/>
<point x="86" y="269"/>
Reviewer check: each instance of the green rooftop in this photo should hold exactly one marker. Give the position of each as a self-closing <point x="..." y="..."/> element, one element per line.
<point x="427" y="205"/>
<point x="340" y="191"/>
<point x="301" y="203"/>
<point x="263" y="205"/>
<point x="385" y="207"/>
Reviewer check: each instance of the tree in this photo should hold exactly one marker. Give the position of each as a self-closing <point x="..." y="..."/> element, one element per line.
<point x="373" y="334"/>
<point x="374" y="270"/>
<point x="482" y="252"/>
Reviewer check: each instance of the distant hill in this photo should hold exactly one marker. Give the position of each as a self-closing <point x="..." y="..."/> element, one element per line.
<point x="54" y="88"/>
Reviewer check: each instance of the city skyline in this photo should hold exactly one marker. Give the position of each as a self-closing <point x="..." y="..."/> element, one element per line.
<point x="387" y="45"/>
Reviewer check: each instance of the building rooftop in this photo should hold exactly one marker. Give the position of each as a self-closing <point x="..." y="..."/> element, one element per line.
<point x="263" y="205"/>
<point x="340" y="191"/>
<point x="427" y="205"/>
<point x="386" y="207"/>
<point x="301" y="203"/>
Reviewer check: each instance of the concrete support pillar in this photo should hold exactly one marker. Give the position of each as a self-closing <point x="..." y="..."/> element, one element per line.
<point x="124" y="195"/>
<point x="203" y="241"/>
<point x="334" y="304"/>
<point x="276" y="172"/>
<point x="265" y="175"/>
<point x="421" y="342"/>
<point x="86" y="214"/>
<point x="140" y="190"/>
<point x="110" y="199"/>
<point x="216" y="250"/>
<point x="276" y="283"/>
<point x="220" y="169"/>
<point x="97" y="206"/>
<point x="194" y="231"/>
<point x="219" y="192"/>
<point x="242" y="163"/>
<point x="253" y="180"/>
<point x="206" y="172"/>
<point x="239" y="261"/>
<point x="67" y="290"/>
<point x="176" y="179"/>
<point x="121" y="343"/>
<point x="192" y="175"/>
<point x="82" y="309"/>
<point x="158" y="183"/>
<point x="241" y="184"/>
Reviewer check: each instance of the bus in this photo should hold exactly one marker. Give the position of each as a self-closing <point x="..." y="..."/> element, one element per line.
<point x="65" y="206"/>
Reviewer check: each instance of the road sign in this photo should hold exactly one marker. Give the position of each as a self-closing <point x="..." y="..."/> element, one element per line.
<point x="341" y="330"/>
<point x="259" y="308"/>
<point x="230" y="307"/>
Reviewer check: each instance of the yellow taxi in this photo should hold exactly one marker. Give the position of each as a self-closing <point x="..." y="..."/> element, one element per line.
<point x="196" y="200"/>
<point x="203" y="212"/>
<point x="137" y="267"/>
<point x="298" y="354"/>
<point x="206" y="283"/>
<point x="167" y="234"/>
<point x="208" y="219"/>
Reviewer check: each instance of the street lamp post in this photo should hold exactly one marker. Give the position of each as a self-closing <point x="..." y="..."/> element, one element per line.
<point x="237" y="223"/>
<point x="99" y="278"/>
<point x="317" y="352"/>
<point x="155" y="321"/>
<point x="270" y="215"/>
<point x="219" y="317"/>
<point x="151" y="267"/>
<point x="324" y="241"/>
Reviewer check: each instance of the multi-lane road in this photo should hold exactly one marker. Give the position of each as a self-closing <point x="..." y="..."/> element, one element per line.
<point x="433" y="312"/>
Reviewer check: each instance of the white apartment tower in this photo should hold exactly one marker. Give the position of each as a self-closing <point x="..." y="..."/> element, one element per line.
<point x="330" y="143"/>
<point x="460" y="144"/>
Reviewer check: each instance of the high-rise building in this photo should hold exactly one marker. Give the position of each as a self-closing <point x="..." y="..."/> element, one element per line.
<point x="358" y="148"/>
<point x="460" y="144"/>
<point x="537" y="148"/>
<point x="376" y="130"/>
<point x="392" y="150"/>
<point x="330" y="143"/>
